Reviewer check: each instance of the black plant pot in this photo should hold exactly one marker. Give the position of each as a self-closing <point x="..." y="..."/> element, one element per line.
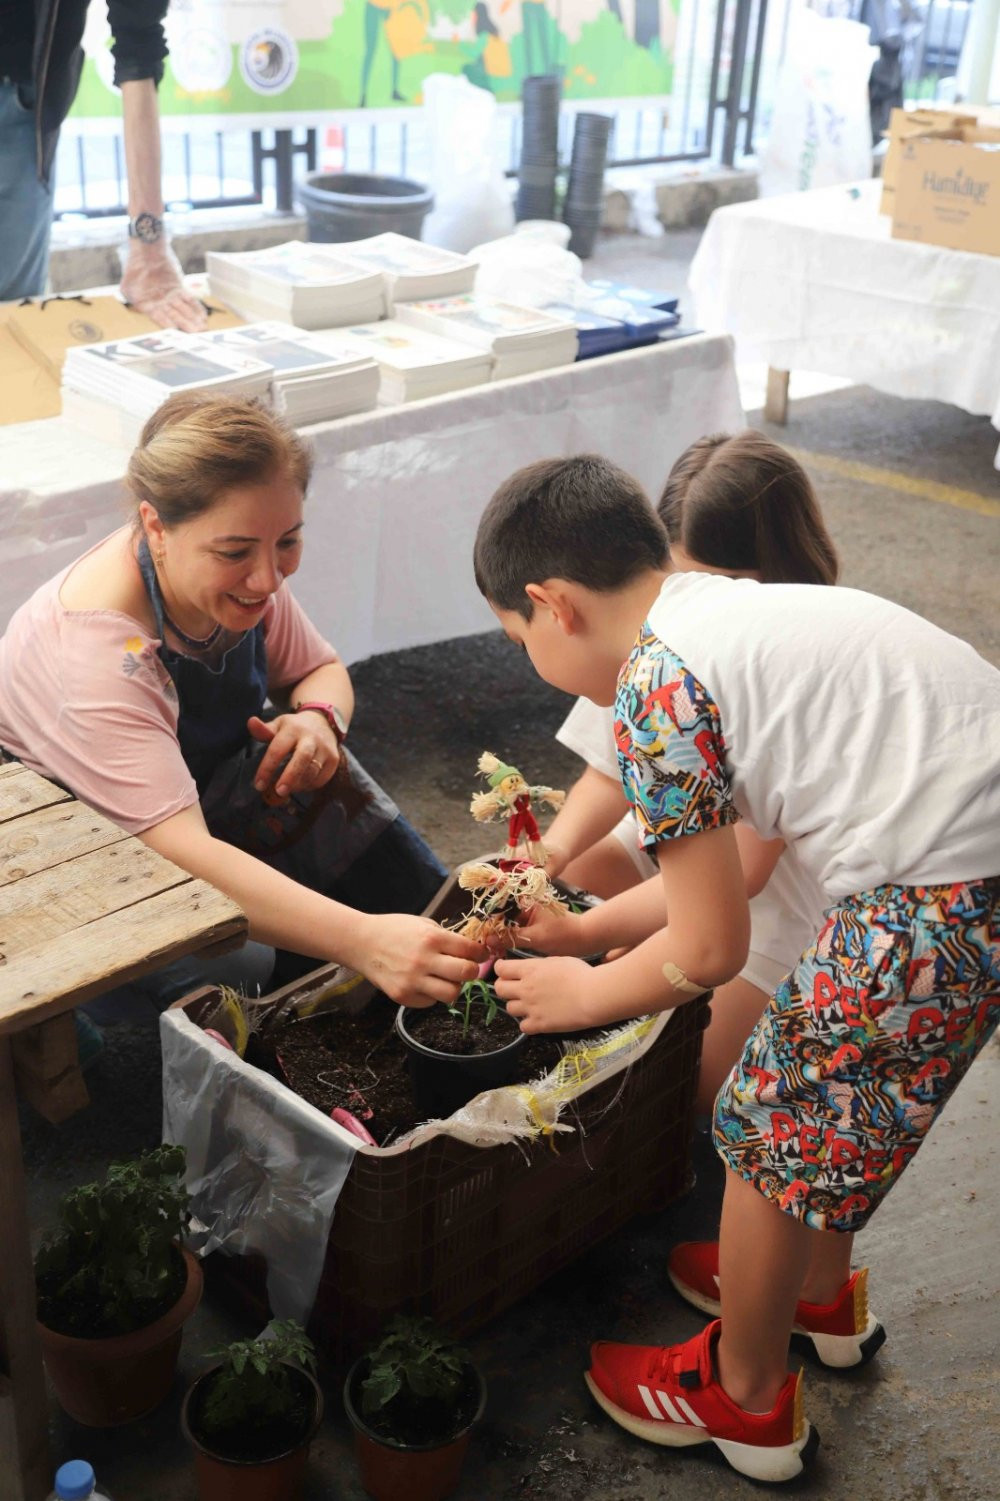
<point x="444" y="1082"/>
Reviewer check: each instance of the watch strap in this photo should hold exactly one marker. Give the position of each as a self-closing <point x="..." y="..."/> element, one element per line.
<point x="331" y="714"/>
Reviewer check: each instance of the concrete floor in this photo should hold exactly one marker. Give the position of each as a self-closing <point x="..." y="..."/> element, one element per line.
<point x="921" y="1422"/>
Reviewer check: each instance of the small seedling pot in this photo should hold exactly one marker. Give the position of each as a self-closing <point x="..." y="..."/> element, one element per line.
<point x="395" y="1471"/>
<point x="104" y="1382"/>
<point x="220" y="1477"/>
<point x="444" y="1082"/>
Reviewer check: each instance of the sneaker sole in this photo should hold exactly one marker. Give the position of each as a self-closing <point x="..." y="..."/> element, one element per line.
<point x="756" y="1461"/>
<point x="839" y="1352"/>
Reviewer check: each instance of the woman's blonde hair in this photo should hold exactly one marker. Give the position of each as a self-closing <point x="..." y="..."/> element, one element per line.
<point x="196" y="447"/>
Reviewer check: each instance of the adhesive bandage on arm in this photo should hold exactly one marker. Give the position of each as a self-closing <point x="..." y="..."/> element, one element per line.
<point x="678" y="980"/>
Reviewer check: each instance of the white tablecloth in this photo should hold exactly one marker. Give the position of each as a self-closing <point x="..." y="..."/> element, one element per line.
<point x="397" y="493"/>
<point x="814" y="281"/>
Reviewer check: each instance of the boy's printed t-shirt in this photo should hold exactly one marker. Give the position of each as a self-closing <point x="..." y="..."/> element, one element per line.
<point x="865" y="737"/>
<point x="784" y="917"/>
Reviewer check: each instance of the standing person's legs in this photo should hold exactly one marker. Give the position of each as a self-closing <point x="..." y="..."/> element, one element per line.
<point x="25" y="202"/>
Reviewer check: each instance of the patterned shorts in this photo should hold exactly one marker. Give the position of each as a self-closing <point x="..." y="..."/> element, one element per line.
<point x="861" y="1047"/>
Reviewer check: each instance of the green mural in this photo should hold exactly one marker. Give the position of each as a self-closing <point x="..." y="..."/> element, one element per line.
<point x="377" y="53"/>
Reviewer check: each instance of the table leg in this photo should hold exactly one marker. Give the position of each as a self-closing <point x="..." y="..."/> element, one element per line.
<point x="776" y="398"/>
<point x="25" y="1469"/>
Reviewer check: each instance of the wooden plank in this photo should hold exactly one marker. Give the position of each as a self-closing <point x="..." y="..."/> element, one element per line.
<point x="78" y="966"/>
<point x="22" y="791"/>
<point x="25" y="1467"/>
<point x="51" y="836"/>
<point x="776" y="396"/>
<point x="43" y="906"/>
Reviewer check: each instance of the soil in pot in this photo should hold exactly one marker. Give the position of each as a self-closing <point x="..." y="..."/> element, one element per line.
<point x="357" y="1062"/>
<point x="425" y="1466"/>
<point x="265" y="1462"/>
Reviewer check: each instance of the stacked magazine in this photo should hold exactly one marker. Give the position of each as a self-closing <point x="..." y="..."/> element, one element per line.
<point x="413" y="363"/>
<point x="608" y="321"/>
<point x="312" y="286"/>
<point x="520" y="339"/>
<point x="410" y="268"/>
<point x="111" y="388"/>
<point x="311" y="382"/>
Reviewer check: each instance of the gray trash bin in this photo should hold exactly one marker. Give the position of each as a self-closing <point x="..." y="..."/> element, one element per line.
<point x="354" y="205"/>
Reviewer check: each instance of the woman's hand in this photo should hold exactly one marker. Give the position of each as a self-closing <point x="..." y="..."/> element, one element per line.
<point x="302" y="753"/>
<point x="547" y="995"/>
<point x="415" y="961"/>
<point x="545" y="931"/>
<point x="154" y="284"/>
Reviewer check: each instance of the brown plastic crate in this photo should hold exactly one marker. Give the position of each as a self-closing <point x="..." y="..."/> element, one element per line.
<point x="462" y="1232"/>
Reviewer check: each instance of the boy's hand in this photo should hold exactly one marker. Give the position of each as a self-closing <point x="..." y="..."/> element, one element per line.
<point x="547" y="995"/>
<point x="553" y="932"/>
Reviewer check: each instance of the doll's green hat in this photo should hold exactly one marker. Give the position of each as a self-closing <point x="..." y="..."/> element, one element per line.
<point x="501" y="774"/>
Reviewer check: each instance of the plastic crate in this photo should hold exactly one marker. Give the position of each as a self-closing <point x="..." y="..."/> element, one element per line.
<point x="462" y="1232"/>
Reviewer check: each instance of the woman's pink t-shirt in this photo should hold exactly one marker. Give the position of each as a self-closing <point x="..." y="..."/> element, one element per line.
<point x="84" y="698"/>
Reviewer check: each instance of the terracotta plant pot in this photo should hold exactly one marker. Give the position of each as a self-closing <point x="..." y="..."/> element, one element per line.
<point x="444" y="1082"/>
<point x="105" y="1382"/>
<point x="218" y="1478"/>
<point x="407" y="1472"/>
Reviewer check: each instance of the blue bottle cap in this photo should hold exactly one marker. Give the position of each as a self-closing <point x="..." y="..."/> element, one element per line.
<point x="75" y="1481"/>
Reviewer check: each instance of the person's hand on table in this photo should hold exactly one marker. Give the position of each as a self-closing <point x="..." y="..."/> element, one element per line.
<point x="415" y="961"/>
<point x="547" y="995"/>
<point x="153" y="284"/>
<point x="302" y="753"/>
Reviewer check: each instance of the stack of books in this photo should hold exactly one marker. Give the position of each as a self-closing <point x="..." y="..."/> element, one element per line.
<point x="607" y="320"/>
<point x="312" y="286"/>
<point x="520" y="339"/>
<point x="310" y="382"/>
<point x="413" y="363"/>
<point x="410" y="268"/>
<point x="112" y="388"/>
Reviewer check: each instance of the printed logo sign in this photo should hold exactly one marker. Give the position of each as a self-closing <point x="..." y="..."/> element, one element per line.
<point x="269" y="60"/>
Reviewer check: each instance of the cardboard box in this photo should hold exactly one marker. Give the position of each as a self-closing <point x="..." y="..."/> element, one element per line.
<point x="904" y="124"/>
<point x="948" y="190"/>
<point x="47" y="326"/>
<point x="27" y="390"/>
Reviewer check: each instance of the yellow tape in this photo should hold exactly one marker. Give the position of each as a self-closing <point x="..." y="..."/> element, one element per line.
<point x="577" y="1069"/>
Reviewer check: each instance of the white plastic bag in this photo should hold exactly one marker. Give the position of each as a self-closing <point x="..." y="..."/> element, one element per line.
<point x="820" y="131"/>
<point x="528" y="268"/>
<point x="472" y="201"/>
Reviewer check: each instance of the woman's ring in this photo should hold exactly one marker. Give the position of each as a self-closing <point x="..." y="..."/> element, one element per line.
<point x="315" y="762"/>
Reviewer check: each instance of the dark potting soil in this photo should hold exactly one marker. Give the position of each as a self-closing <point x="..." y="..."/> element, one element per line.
<point x="437" y="1028"/>
<point x="259" y="1437"/>
<point x="358" y="1063"/>
<point x="420" y="1422"/>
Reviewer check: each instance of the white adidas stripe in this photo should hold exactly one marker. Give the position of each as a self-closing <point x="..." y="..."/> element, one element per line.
<point x="651" y="1406"/>
<point x="669" y="1408"/>
<point x="685" y="1415"/>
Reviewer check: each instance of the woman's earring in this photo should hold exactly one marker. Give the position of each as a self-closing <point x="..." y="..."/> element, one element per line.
<point x="159" y="558"/>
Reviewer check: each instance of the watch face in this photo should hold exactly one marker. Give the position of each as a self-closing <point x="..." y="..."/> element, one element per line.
<point x="147" y="228"/>
<point x="339" y="721"/>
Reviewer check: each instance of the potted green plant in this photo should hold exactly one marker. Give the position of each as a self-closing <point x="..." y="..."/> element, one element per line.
<point x="413" y="1401"/>
<point x="455" y="1053"/>
<point x="114" y="1288"/>
<point x="252" y="1416"/>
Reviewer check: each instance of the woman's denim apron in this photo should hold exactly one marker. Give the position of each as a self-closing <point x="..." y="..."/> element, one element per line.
<point x="347" y="840"/>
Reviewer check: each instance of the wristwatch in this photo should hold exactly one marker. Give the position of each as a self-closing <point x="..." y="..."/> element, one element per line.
<point x="332" y="715"/>
<point x="145" y="227"/>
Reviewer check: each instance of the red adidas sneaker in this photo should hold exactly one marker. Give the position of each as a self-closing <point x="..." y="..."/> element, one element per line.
<point x="843" y="1333"/>
<point x="668" y="1394"/>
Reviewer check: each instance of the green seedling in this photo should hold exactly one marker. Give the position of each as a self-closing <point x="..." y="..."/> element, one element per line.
<point x="474" y="993"/>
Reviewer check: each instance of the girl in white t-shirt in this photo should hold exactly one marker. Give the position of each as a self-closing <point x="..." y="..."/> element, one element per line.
<point x="740" y="506"/>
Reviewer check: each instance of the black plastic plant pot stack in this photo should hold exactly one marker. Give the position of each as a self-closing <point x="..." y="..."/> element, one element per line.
<point x="584" y="203"/>
<point x="536" y="193"/>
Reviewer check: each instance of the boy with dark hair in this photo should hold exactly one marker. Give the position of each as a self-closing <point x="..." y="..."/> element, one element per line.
<point x="866" y="737"/>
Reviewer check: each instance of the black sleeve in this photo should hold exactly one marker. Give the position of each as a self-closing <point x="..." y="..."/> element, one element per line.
<point x="140" y="44"/>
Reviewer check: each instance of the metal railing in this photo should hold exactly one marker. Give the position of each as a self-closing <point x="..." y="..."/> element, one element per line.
<point x="730" y="53"/>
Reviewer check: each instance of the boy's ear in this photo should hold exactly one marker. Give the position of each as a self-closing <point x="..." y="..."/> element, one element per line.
<point x="557" y="596"/>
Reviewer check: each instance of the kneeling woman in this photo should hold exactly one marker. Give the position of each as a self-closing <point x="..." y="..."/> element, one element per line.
<point x="138" y="678"/>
